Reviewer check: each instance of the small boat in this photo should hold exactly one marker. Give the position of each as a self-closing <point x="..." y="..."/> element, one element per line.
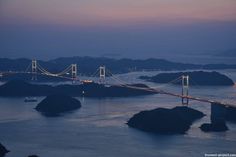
<point x="30" y="99"/>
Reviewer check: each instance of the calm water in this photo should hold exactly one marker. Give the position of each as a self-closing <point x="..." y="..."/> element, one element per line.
<point x="99" y="129"/>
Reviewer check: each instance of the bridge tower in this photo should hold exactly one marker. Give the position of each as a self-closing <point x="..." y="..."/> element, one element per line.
<point x="74" y="72"/>
<point x="185" y="89"/>
<point x="34" y="70"/>
<point x="102" y="74"/>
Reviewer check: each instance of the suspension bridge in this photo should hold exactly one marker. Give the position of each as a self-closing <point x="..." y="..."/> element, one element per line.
<point x="70" y="73"/>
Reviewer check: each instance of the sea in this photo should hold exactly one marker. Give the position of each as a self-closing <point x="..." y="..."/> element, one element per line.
<point x="99" y="129"/>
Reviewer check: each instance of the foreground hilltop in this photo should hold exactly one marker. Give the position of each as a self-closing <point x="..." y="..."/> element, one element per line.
<point x="201" y="78"/>
<point x="22" y="88"/>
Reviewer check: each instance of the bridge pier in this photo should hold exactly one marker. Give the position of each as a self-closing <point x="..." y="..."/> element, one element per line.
<point x="218" y="117"/>
<point x="218" y="113"/>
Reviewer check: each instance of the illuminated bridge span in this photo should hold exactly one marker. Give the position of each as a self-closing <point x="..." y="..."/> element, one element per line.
<point x="70" y="73"/>
<point x="35" y="69"/>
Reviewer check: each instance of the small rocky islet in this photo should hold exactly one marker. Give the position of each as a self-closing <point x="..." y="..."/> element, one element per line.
<point x="196" y="78"/>
<point x="54" y="105"/>
<point x="165" y="121"/>
<point x="214" y="127"/>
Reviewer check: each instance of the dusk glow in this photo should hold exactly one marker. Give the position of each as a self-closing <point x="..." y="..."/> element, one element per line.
<point x="88" y="12"/>
<point x="124" y="28"/>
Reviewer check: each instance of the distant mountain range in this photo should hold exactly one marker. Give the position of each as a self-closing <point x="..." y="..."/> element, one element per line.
<point x="88" y="65"/>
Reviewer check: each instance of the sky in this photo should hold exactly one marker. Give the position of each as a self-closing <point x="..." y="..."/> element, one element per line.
<point x="48" y="29"/>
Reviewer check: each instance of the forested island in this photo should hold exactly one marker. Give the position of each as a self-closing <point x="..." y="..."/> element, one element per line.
<point x="19" y="88"/>
<point x="197" y="78"/>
